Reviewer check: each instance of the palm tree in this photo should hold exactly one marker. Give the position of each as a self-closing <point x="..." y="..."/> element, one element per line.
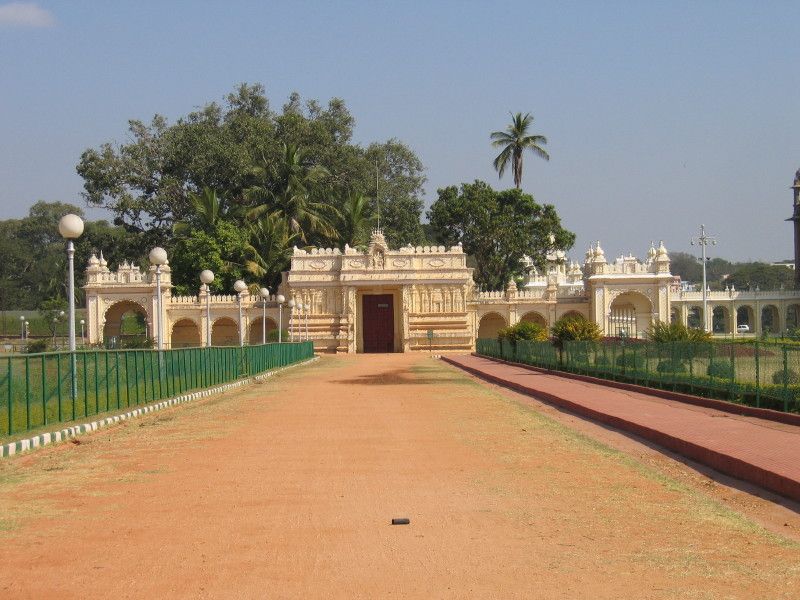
<point x="207" y="209"/>
<point x="270" y="247"/>
<point x="355" y="220"/>
<point x="514" y="141"/>
<point x="288" y="189"/>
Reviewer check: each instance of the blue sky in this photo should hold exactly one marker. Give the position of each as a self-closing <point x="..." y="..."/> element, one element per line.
<point x="660" y="115"/>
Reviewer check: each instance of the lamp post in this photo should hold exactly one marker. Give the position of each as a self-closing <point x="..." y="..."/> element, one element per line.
<point x="239" y="286"/>
<point x="264" y="297"/>
<point x="158" y="257"/>
<point x="291" y="304"/>
<point x="71" y="227"/>
<point x="55" y="325"/>
<point x="83" y="336"/>
<point x="280" y="300"/>
<point x="207" y="278"/>
<point x="704" y="240"/>
<point x="22" y="328"/>
<point x="308" y="310"/>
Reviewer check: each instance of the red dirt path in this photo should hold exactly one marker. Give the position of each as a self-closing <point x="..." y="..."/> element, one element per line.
<point x="286" y="490"/>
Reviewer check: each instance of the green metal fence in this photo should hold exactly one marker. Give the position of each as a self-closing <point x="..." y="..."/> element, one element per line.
<point x="37" y="389"/>
<point x="761" y="375"/>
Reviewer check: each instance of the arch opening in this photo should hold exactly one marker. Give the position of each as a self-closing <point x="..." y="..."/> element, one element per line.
<point x="629" y="315"/>
<point x="126" y="323"/>
<point x="770" y="320"/>
<point x="534" y="317"/>
<point x="185" y="334"/>
<point x="720" y="320"/>
<point x="490" y="325"/>
<point x="224" y="332"/>
<point x="255" y="335"/>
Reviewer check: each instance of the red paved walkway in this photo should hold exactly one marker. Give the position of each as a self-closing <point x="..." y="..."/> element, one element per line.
<point x="763" y="452"/>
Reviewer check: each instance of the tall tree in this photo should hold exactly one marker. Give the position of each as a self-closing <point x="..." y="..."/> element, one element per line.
<point x="514" y="141"/>
<point x="497" y="229"/>
<point x="355" y="220"/>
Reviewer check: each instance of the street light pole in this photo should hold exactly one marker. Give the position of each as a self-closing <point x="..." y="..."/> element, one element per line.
<point x="291" y="305"/>
<point x="264" y="297"/>
<point x="280" y="300"/>
<point x="158" y="257"/>
<point x="207" y="278"/>
<point x="308" y="310"/>
<point x="704" y="240"/>
<point x="83" y="335"/>
<point x="71" y="227"/>
<point x="240" y="286"/>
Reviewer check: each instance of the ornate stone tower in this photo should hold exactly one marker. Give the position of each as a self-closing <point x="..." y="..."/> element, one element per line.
<point x="796" y="218"/>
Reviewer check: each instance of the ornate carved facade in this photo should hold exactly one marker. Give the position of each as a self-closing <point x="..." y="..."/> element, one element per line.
<point x="430" y="299"/>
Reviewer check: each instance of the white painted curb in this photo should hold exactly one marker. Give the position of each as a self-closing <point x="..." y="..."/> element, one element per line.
<point x="37" y="441"/>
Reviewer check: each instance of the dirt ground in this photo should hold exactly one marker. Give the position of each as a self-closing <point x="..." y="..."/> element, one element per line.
<point x="287" y="490"/>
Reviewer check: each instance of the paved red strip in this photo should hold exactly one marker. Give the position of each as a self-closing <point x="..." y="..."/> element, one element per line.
<point x="757" y="450"/>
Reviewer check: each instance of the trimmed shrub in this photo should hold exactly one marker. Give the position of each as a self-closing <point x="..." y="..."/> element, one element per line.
<point x="671" y="366"/>
<point x="524" y="330"/>
<point x="662" y="332"/>
<point x="36" y="346"/>
<point x="575" y="328"/>
<point x="720" y="368"/>
<point x="790" y="377"/>
<point x="630" y="360"/>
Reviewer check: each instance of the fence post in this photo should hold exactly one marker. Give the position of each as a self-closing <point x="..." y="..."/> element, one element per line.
<point x="785" y="380"/>
<point x="733" y="372"/>
<point x="758" y="378"/>
<point x="10" y="400"/>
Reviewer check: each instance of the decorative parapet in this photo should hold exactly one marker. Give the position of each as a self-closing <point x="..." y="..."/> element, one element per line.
<point x="99" y="275"/>
<point x="735" y="295"/>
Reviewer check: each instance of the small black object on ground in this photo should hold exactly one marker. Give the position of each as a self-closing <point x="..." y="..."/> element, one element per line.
<point x="401" y="521"/>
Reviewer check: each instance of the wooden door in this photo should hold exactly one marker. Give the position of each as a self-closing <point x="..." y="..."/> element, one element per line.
<point x="378" y="319"/>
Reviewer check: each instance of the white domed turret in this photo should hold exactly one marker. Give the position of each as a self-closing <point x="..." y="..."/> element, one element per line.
<point x="599" y="255"/>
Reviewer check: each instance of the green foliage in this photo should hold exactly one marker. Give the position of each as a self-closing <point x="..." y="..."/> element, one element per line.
<point x="514" y="141"/>
<point x="53" y="311"/>
<point x="789" y="377"/>
<point x="575" y="328"/>
<point x="761" y="275"/>
<point x="630" y="360"/>
<point x="497" y="229"/>
<point x="36" y="346"/>
<point x="720" y="368"/>
<point x="136" y="342"/>
<point x="524" y="330"/>
<point x="272" y="335"/>
<point x="662" y="332"/>
<point x="279" y="178"/>
<point x="671" y="366"/>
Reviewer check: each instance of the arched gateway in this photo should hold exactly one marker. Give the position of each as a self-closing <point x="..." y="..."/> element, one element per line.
<point x="415" y="298"/>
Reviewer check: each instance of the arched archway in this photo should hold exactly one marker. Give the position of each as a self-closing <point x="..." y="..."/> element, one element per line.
<point x="630" y="315"/>
<point x="770" y="319"/>
<point x="534" y="317"/>
<point x="720" y="320"/>
<point x="124" y="321"/>
<point x="573" y="314"/>
<point x="694" y="317"/>
<point x="185" y="334"/>
<point x="224" y="332"/>
<point x="744" y="316"/>
<point x="490" y="325"/>
<point x="793" y="316"/>
<point x="255" y="335"/>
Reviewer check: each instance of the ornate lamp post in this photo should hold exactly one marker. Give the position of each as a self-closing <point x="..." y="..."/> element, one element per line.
<point x="239" y="286"/>
<point x="703" y="240"/>
<point x="207" y="278"/>
<point x="280" y="300"/>
<point x="158" y="257"/>
<point x="291" y="304"/>
<point x="264" y="297"/>
<point x="83" y="335"/>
